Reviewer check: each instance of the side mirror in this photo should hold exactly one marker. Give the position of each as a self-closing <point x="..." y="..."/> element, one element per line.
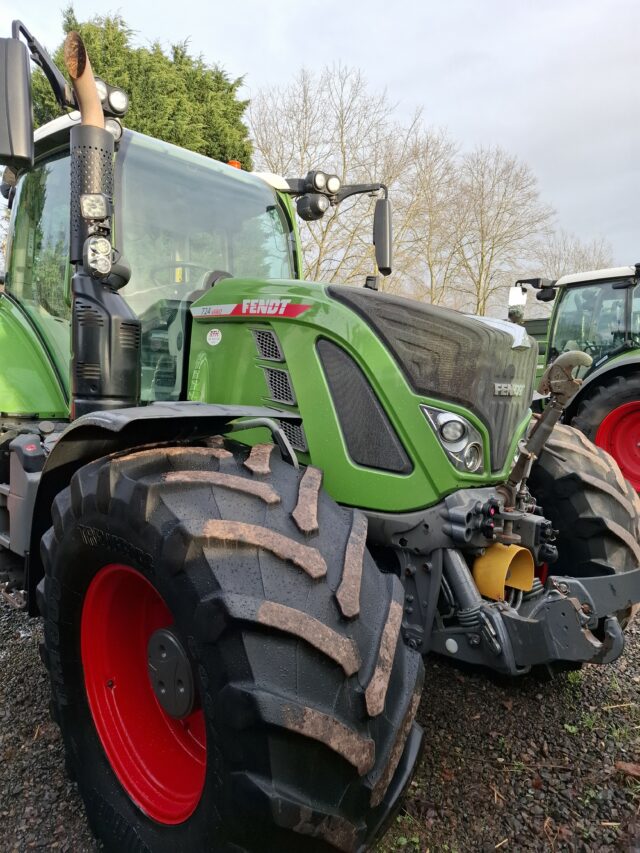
<point x="16" y="118"/>
<point x="383" y="235"/>
<point x="546" y="294"/>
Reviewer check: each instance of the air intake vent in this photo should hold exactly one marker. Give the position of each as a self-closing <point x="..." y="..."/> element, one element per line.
<point x="268" y="345"/>
<point x="88" y="315"/>
<point x="130" y="336"/>
<point x="369" y="435"/>
<point x="296" y="436"/>
<point x="280" y="386"/>
<point x="87" y="370"/>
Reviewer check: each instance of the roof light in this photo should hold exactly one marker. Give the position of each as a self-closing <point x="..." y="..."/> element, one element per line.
<point x="101" y="87"/>
<point x="118" y="101"/>
<point x="114" y="127"/>
<point x="318" y="180"/>
<point x="312" y="206"/>
<point x="235" y="164"/>
<point x="333" y="184"/>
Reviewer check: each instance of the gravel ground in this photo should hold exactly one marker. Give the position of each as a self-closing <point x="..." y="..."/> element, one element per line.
<point x="520" y="766"/>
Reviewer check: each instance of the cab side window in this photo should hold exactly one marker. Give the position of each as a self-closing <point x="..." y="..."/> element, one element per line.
<point x="38" y="270"/>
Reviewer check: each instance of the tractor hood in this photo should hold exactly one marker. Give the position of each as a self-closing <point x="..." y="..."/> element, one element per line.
<point x="486" y="365"/>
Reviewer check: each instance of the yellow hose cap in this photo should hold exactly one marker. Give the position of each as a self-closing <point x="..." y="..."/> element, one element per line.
<point x="503" y="566"/>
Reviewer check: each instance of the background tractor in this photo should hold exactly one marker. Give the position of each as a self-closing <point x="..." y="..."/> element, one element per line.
<point x="246" y="505"/>
<point x="598" y="312"/>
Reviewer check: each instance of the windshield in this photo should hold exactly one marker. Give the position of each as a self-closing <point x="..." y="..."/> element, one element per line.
<point x="594" y="318"/>
<point x="184" y="219"/>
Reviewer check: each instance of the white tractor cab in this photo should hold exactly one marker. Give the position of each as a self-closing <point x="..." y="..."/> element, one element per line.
<point x="598" y="312"/>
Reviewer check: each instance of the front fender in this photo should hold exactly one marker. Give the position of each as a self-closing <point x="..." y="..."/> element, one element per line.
<point x="622" y="364"/>
<point x="102" y="433"/>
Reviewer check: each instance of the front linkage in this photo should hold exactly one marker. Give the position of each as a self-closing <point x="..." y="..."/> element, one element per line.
<point x="535" y="618"/>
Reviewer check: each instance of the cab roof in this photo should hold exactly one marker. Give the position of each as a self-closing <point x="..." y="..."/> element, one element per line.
<point x="596" y="275"/>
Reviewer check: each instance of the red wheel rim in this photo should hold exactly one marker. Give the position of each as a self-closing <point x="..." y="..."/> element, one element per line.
<point x="160" y="761"/>
<point x="619" y="434"/>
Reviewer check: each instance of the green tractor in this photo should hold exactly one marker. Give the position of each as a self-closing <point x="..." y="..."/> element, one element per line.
<point x="246" y="505"/>
<point x="598" y="313"/>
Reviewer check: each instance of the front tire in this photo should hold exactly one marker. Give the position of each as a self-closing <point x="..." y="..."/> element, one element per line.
<point x="594" y="509"/>
<point x="302" y="732"/>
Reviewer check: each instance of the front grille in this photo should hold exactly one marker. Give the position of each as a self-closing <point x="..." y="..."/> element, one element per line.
<point x="449" y="356"/>
<point x="296" y="436"/>
<point x="280" y="386"/>
<point x="267" y="345"/>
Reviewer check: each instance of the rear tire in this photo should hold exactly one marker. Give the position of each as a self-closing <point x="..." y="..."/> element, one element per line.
<point x="610" y="417"/>
<point x="594" y="509"/>
<point x="306" y="691"/>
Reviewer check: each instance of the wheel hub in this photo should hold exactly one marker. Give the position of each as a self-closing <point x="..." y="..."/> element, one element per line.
<point x="170" y="673"/>
<point x="141" y="694"/>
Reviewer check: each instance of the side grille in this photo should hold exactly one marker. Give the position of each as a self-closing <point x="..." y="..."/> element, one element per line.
<point x="280" y="386"/>
<point x="87" y="370"/>
<point x="296" y="436"/>
<point x="130" y="336"/>
<point x="87" y="315"/>
<point x="267" y="345"/>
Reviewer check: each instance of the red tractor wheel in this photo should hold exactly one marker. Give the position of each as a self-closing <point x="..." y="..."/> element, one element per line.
<point x="610" y="416"/>
<point x="159" y="759"/>
<point x="619" y="435"/>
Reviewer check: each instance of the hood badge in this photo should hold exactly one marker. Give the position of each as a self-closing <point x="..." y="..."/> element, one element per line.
<point x="508" y="389"/>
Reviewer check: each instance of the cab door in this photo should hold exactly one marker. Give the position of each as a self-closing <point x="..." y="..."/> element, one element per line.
<point x="35" y="308"/>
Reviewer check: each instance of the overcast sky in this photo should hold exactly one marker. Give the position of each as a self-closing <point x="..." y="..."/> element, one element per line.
<point x="555" y="82"/>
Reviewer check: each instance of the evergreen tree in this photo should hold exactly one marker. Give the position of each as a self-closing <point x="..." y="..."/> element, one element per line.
<point x="178" y="98"/>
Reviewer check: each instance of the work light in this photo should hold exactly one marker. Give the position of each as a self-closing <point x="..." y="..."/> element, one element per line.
<point x="118" y="101"/>
<point x="94" y="206"/>
<point x="333" y="184"/>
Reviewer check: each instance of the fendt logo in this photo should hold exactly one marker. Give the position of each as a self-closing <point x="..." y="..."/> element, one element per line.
<point x="253" y="308"/>
<point x="265" y="306"/>
<point x="507" y="389"/>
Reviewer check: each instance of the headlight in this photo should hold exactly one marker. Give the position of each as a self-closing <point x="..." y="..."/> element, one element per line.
<point x="459" y="439"/>
<point x="472" y="457"/>
<point x="98" y="255"/>
<point x="452" y="430"/>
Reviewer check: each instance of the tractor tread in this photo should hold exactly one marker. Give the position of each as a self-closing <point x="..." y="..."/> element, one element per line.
<point x="269" y="565"/>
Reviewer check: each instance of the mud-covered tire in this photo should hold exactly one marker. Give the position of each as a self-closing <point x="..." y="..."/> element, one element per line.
<point x="307" y="689"/>
<point x="609" y="415"/>
<point x="594" y="509"/>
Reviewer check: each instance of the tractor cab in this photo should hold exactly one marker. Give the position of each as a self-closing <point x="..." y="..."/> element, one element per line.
<point x="183" y="222"/>
<point x="597" y="313"/>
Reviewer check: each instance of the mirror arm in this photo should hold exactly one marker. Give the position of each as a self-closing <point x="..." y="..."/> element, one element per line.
<point x="358" y="189"/>
<point x="61" y="89"/>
